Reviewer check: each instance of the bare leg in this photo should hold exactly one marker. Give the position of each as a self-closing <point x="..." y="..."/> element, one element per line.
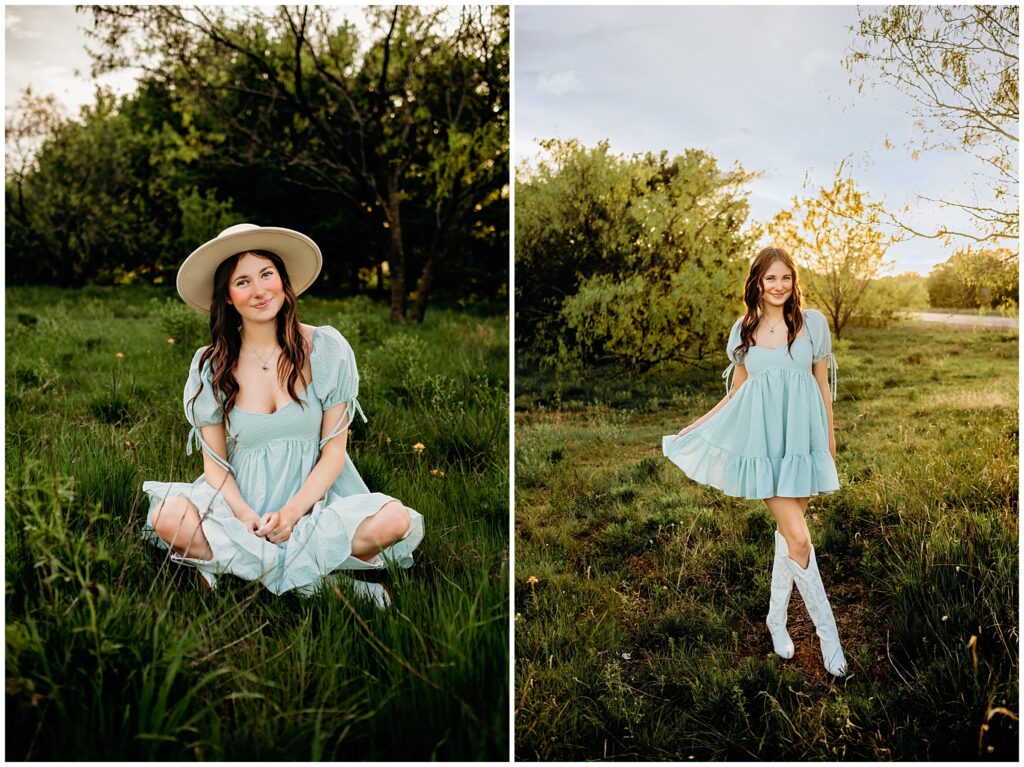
<point x="789" y="516"/>
<point x="176" y="521"/>
<point x="803" y="568"/>
<point x="381" y="530"/>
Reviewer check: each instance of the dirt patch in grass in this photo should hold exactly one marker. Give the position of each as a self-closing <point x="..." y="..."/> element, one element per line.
<point x="859" y="626"/>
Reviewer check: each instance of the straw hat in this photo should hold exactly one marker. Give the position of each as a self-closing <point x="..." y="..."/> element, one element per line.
<point x="300" y="255"/>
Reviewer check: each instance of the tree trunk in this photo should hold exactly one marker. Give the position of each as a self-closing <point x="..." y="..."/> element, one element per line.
<point x="423" y="287"/>
<point x="382" y="256"/>
<point x="353" y="277"/>
<point x="396" y="258"/>
<point x="443" y="225"/>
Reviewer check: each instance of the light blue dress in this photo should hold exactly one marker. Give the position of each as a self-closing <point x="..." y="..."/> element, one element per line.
<point x="771" y="438"/>
<point x="271" y="455"/>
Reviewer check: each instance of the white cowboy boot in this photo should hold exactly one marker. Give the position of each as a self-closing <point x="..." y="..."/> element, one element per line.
<point x="808" y="581"/>
<point x="374" y="592"/>
<point x="778" y="605"/>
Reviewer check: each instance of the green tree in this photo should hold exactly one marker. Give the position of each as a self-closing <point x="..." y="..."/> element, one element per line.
<point x="886" y="297"/>
<point x="34" y="121"/>
<point x="203" y="216"/>
<point x="837" y="238"/>
<point x="974" y="278"/>
<point x="636" y="259"/>
<point x="571" y="221"/>
<point x="946" y="289"/>
<point x="959" y="65"/>
<point x="994" y="273"/>
<point x="82" y="206"/>
<point x="421" y="104"/>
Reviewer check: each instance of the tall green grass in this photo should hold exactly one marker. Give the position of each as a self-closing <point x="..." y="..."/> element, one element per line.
<point x="113" y="652"/>
<point x="640" y="595"/>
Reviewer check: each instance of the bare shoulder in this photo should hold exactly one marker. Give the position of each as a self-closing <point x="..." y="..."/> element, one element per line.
<point x="307" y="333"/>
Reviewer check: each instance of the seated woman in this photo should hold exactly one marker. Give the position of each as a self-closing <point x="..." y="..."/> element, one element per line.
<point x="270" y="401"/>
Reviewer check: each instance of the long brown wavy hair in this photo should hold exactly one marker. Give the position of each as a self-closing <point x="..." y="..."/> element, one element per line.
<point x="226" y="337"/>
<point x="753" y="293"/>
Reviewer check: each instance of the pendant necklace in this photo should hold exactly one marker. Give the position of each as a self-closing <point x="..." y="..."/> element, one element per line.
<point x="266" y="362"/>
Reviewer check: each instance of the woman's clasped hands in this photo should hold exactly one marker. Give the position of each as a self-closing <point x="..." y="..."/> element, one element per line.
<point x="275" y="527"/>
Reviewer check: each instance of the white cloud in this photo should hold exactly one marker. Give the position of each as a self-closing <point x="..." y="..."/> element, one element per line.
<point x="13" y="27"/>
<point x="559" y="83"/>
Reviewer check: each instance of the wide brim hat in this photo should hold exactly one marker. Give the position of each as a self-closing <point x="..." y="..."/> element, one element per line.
<point x="301" y="257"/>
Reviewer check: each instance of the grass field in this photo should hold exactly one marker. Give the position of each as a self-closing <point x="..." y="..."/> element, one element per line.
<point x="640" y="596"/>
<point x="114" y="653"/>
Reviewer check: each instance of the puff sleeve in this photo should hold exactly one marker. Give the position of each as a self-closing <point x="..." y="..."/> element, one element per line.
<point x="205" y="410"/>
<point x="821" y="343"/>
<point x="731" y="352"/>
<point x="335" y="377"/>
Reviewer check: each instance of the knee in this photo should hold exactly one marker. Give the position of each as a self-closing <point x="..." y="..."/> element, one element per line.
<point x="169" y="515"/>
<point x="799" y="544"/>
<point x="392" y="523"/>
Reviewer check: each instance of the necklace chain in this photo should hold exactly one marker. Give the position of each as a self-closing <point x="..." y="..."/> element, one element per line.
<point x="266" y="361"/>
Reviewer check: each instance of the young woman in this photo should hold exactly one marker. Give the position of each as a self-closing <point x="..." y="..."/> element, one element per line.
<point x="270" y="401"/>
<point x="771" y="437"/>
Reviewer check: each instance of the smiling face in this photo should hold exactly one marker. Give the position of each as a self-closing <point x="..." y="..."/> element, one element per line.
<point x="777" y="284"/>
<point x="255" y="288"/>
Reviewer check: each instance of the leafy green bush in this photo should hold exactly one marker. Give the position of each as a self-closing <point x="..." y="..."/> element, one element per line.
<point x="610" y="256"/>
<point x="185" y="325"/>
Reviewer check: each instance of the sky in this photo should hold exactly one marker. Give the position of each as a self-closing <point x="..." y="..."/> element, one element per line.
<point x="763" y="86"/>
<point x="45" y="49"/>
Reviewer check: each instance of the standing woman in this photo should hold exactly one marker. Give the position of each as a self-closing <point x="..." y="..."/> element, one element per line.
<point x="270" y="401"/>
<point x="772" y="436"/>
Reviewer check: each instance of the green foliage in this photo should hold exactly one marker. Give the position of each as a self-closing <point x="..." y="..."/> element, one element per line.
<point x="569" y="223"/>
<point x="638" y="259"/>
<point x="387" y="142"/>
<point x="976" y="278"/>
<point x="886" y="297"/>
<point x="641" y="596"/>
<point x="181" y="322"/>
<point x="83" y="210"/>
<point x="947" y="289"/>
<point x="203" y="216"/>
<point x="114" y="652"/>
<point x="837" y="237"/>
<point x="395" y="128"/>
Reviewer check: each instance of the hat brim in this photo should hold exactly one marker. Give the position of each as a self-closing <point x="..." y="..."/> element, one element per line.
<point x="300" y="255"/>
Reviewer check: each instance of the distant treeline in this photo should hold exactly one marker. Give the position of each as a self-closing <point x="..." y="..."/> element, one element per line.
<point x="386" y="142"/>
<point x="640" y="259"/>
